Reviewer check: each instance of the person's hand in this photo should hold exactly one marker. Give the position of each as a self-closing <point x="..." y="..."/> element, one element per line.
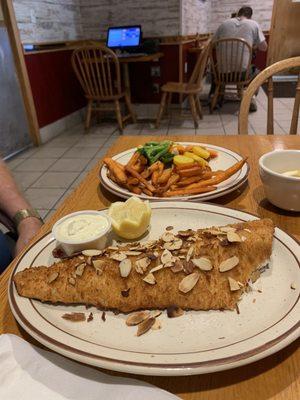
<point x="27" y="229"/>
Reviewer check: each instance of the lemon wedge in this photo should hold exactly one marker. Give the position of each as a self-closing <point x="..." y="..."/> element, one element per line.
<point x="130" y="219"/>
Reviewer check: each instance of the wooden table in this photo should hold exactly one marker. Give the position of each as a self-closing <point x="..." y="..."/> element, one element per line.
<point x="273" y="378"/>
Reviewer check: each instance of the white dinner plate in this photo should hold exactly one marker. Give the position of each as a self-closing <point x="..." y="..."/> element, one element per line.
<point x="226" y="158"/>
<point x="197" y="342"/>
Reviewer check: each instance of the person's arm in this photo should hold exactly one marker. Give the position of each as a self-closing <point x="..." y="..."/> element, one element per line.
<point x="11" y="201"/>
<point x="260" y="41"/>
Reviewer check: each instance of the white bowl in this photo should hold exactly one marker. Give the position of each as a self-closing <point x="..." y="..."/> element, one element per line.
<point x="71" y="246"/>
<point x="282" y="191"/>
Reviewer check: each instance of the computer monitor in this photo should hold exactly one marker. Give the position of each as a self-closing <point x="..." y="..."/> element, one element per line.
<point x="124" y="37"/>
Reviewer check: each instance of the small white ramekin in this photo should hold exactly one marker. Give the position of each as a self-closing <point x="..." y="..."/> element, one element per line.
<point x="281" y="190"/>
<point x="99" y="242"/>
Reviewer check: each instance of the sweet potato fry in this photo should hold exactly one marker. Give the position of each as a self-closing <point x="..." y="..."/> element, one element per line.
<point x="154" y="167"/>
<point x="132" y="181"/>
<point x="134" y="189"/>
<point x="213" y="153"/>
<point x="194" y="171"/>
<point x="165" y="176"/>
<point x="189" y="181"/>
<point x="174" y="178"/>
<point x="146" y="173"/>
<point x="147" y="192"/>
<point x="221" y="176"/>
<point x="135" y="156"/>
<point x="186" y="191"/>
<point x="135" y="174"/>
<point x="185" y="166"/>
<point x="116" y="170"/>
<point x="154" y="178"/>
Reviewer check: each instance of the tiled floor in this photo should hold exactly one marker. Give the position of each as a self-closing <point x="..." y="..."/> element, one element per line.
<point x="49" y="173"/>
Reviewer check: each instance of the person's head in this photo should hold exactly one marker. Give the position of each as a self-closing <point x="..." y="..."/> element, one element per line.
<point x="245" y="11"/>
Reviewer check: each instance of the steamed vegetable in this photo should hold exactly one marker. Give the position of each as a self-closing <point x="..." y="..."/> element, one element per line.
<point x="155" y="151"/>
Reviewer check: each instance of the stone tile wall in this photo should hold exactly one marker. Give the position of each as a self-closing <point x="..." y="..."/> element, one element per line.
<point x="59" y="20"/>
<point x="158" y="18"/>
<point x="48" y="20"/>
<point x="195" y="16"/>
<point x="221" y="10"/>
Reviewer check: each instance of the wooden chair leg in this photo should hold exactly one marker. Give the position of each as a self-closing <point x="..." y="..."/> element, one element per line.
<point x="215" y="99"/>
<point x="193" y="109"/>
<point x="169" y="103"/>
<point x="119" y="115"/>
<point x="161" y="109"/>
<point x="130" y="109"/>
<point x="199" y="108"/>
<point x="88" y="115"/>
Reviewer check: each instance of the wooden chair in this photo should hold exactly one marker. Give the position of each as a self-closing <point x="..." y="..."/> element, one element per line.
<point x="98" y="71"/>
<point x="228" y="69"/>
<point x="192" y="88"/>
<point x="267" y="75"/>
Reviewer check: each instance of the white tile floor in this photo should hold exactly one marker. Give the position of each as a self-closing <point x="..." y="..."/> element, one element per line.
<point x="49" y="173"/>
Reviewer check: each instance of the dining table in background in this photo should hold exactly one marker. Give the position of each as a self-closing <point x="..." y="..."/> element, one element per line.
<point x="276" y="377"/>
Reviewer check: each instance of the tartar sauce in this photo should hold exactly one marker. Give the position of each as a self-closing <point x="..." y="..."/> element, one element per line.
<point x="81" y="227"/>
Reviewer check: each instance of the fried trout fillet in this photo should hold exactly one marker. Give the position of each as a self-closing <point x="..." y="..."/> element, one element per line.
<point x="97" y="280"/>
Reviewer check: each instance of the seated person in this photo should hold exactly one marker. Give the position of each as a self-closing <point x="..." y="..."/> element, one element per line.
<point x="27" y="220"/>
<point x="243" y="27"/>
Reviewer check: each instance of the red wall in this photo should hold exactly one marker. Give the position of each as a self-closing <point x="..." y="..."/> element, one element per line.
<point x="56" y="91"/>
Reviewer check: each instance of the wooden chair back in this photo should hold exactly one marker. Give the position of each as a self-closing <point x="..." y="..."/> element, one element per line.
<point x="231" y="60"/>
<point x="97" y="67"/>
<point x="267" y="75"/>
<point x="199" y="69"/>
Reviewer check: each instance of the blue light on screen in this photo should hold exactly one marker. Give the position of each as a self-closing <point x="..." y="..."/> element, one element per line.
<point x="123" y="37"/>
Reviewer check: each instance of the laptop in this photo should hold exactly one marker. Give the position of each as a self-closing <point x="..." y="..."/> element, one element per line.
<point x="127" y="39"/>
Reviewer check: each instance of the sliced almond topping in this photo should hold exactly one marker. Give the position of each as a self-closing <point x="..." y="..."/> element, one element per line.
<point x="166" y="256"/>
<point x="137" y="317"/>
<point x="156" y="325"/>
<point x="88" y="260"/>
<point x="188" y="232"/>
<point x="157" y="268"/>
<point x="118" y="256"/>
<point x="74" y="317"/>
<point x="177" y="267"/>
<point x="234" y="285"/>
<point x="175" y="245"/>
<point x="115" y="248"/>
<point x="142" y="264"/>
<point x="227" y="229"/>
<point x="125" y="267"/>
<point x="190" y="253"/>
<point x="214" y="232"/>
<point x="156" y="314"/>
<point x="53" y="276"/>
<point x="169" y="264"/>
<point x="228" y="264"/>
<point x="92" y="252"/>
<point x="132" y="253"/>
<point x="243" y="238"/>
<point x="247" y="230"/>
<point x="145" y="326"/>
<point x="189" y="282"/>
<point x="203" y="263"/>
<point x="233" y="237"/>
<point x="174" y="311"/>
<point x="97" y="263"/>
<point x="72" y="281"/>
<point x="188" y="266"/>
<point x="80" y="269"/>
<point x="150" y="278"/>
<point x="168" y="237"/>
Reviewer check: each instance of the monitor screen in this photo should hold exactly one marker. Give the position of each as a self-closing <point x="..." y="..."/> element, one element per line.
<point x="124" y="36"/>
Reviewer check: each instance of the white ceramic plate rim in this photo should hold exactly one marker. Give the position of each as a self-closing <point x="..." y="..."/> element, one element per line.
<point x="289" y="334"/>
<point x="240" y="177"/>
